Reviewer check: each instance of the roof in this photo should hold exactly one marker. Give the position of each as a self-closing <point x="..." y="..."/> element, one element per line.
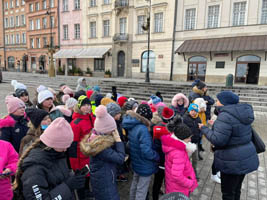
<point x="227" y="44"/>
<point x="94" y="52"/>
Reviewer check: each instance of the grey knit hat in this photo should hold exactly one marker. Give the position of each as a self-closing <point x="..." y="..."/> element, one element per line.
<point x="113" y="109"/>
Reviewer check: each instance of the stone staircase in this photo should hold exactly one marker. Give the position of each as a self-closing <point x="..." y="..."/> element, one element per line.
<point x="138" y="89"/>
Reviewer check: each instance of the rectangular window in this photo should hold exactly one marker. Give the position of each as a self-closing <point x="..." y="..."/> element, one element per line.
<point x="220" y="64"/>
<point x="11" y="21"/>
<point x="76" y="4"/>
<point x="6" y="39"/>
<point x="17" y="3"/>
<point x="23" y="20"/>
<point x="158" y="23"/>
<point x="99" y="64"/>
<point x="44" y="21"/>
<point x="213" y="16"/>
<point x="44" y="5"/>
<point x="123" y="23"/>
<point x="12" y="40"/>
<point x="22" y="2"/>
<point x="92" y="3"/>
<point x="11" y="4"/>
<point x="17" y="21"/>
<point x="31" y="25"/>
<point x="77" y="31"/>
<point x="264" y="12"/>
<point x="106" y="2"/>
<point x="106" y="27"/>
<point x="44" y="42"/>
<point x="32" y="43"/>
<point x="31" y="7"/>
<point x="6" y="5"/>
<point x="65" y="32"/>
<point x="38" y="44"/>
<point x="37" y="6"/>
<point x="141" y="22"/>
<point x="93" y="29"/>
<point x="38" y="25"/>
<point x="6" y="22"/>
<point x="17" y="39"/>
<point x="51" y="3"/>
<point x="65" y="5"/>
<point x="52" y="21"/>
<point x="239" y="13"/>
<point x="190" y="19"/>
<point x="52" y="41"/>
<point x="23" y="38"/>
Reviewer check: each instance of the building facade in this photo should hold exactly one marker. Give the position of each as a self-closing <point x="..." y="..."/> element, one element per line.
<point x="14" y="22"/>
<point x="42" y="32"/>
<point x="217" y="38"/>
<point x="113" y="39"/>
<point x="2" y="36"/>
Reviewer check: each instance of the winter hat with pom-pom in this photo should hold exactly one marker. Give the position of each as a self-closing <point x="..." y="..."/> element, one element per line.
<point x="58" y="134"/>
<point x="201" y="104"/>
<point x="145" y="111"/>
<point x="68" y="91"/>
<point x="122" y="100"/>
<point x="71" y="102"/>
<point x="20" y="92"/>
<point x="180" y="130"/>
<point x="155" y="99"/>
<point x="96" y="88"/>
<point x="167" y="114"/>
<point x="104" y="122"/>
<point x="13" y="104"/>
<point x="105" y="101"/>
<point x="113" y="109"/>
<point x="43" y="95"/>
<point x="64" y="98"/>
<point x="89" y="93"/>
<point x="41" y="88"/>
<point x="109" y="95"/>
<point x="18" y="85"/>
<point x="130" y="105"/>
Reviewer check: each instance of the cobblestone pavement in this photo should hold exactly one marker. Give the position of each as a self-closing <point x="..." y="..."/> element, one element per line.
<point x="254" y="186"/>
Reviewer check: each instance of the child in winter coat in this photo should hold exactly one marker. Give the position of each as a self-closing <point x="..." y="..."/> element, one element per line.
<point x="42" y="169"/>
<point x="8" y="167"/>
<point x="39" y="121"/>
<point x="179" y="104"/>
<point x="179" y="174"/>
<point x="106" y="151"/>
<point x="192" y="120"/>
<point x="143" y="157"/>
<point x="82" y="85"/>
<point x="14" y="126"/>
<point x="202" y="106"/>
<point x="21" y="92"/>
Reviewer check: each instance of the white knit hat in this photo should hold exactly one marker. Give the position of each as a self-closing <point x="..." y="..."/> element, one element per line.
<point x="71" y="102"/>
<point x="43" y="95"/>
<point x="41" y="88"/>
<point x="18" y="85"/>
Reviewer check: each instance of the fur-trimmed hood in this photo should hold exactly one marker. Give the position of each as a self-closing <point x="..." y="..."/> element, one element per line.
<point x="91" y="145"/>
<point x="180" y="96"/>
<point x="132" y="119"/>
<point x="198" y="91"/>
<point x="8" y="121"/>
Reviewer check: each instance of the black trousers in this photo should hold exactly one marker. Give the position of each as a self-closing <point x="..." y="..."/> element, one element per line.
<point x="158" y="180"/>
<point x="84" y="192"/>
<point x="231" y="186"/>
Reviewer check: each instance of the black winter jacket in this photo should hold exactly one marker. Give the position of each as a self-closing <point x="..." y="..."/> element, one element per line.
<point x="192" y="123"/>
<point x="44" y="173"/>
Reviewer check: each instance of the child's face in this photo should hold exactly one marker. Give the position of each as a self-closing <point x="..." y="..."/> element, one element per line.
<point x="180" y="102"/>
<point x="187" y="140"/>
<point x="48" y="103"/>
<point x="24" y="98"/>
<point x="86" y="109"/>
<point x="193" y="113"/>
<point x="19" y="112"/>
<point x="117" y="117"/>
<point x="46" y="121"/>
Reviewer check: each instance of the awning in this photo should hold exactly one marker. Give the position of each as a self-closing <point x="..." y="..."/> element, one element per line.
<point x="82" y="53"/>
<point x="228" y="44"/>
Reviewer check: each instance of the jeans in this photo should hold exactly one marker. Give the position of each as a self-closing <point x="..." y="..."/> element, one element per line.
<point x="158" y="180"/>
<point x="231" y="186"/>
<point x="139" y="187"/>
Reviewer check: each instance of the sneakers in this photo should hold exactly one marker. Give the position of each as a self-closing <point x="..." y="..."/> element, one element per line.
<point x="216" y="178"/>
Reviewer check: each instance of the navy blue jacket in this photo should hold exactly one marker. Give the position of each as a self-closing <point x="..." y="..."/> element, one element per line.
<point x="231" y="134"/>
<point x="144" y="158"/>
<point x="192" y="123"/>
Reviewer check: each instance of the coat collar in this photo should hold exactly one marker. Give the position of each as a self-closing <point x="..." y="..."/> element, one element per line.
<point x="198" y="91"/>
<point x="135" y="115"/>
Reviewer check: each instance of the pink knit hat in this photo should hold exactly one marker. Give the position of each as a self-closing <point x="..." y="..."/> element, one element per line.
<point x="104" y="123"/>
<point x="58" y="134"/>
<point x="64" y="98"/>
<point x="13" y="104"/>
<point x="68" y="91"/>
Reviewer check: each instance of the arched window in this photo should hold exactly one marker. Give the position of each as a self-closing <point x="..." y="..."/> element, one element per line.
<point x="197" y="68"/>
<point x="249" y="58"/>
<point x="11" y="62"/>
<point x="152" y="59"/>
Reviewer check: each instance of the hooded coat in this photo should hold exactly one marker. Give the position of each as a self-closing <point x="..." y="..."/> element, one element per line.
<point x="179" y="173"/>
<point x="81" y="126"/>
<point x="80" y="86"/>
<point x="144" y="158"/>
<point x="105" y="154"/>
<point x="231" y="134"/>
<point x="44" y="174"/>
<point x="179" y="110"/>
<point x="13" y="129"/>
<point x="8" y="159"/>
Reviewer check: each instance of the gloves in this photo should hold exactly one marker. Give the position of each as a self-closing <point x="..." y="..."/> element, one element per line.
<point x="76" y="182"/>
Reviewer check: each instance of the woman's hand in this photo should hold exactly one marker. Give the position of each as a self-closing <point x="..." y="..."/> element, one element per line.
<point x="200" y="126"/>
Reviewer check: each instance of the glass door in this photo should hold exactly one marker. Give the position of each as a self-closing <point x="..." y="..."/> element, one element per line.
<point x="241" y="73"/>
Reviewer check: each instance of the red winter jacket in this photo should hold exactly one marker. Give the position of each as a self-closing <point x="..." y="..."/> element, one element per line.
<point x="81" y="126"/>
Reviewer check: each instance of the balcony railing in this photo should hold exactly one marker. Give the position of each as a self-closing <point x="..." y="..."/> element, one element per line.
<point x="121" y="3"/>
<point x="119" y="37"/>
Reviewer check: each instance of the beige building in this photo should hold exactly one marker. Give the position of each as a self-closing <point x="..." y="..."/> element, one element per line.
<point x="113" y="38"/>
<point x="215" y="38"/>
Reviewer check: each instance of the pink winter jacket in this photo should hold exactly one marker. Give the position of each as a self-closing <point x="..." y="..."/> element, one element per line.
<point x="8" y="159"/>
<point x="179" y="173"/>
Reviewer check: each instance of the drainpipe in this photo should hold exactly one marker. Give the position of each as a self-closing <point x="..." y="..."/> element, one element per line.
<point x="4" y="31"/>
<point x="173" y="37"/>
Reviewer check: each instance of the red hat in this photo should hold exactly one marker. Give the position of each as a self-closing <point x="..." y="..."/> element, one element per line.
<point x="167" y="113"/>
<point x="122" y="100"/>
<point x="89" y="93"/>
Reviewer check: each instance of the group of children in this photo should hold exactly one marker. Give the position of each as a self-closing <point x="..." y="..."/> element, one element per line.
<point x="56" y="132"/>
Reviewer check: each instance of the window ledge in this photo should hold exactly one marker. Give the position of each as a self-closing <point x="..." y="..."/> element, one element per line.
<point x="158" y="32"/>
<point x="92" y="37"/>
<point x="77" y="9"/>
<point x="65" y="39"/>
<point x="76" y="38"/>
<point x="106" y="36"/>
<point x="65" y="11"/>
<point x="139" y="34"/>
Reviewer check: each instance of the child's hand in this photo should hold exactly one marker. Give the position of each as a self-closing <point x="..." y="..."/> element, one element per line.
<point x="200" y="126"/>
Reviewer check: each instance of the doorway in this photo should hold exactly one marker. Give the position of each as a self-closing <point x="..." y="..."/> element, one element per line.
<point x="197" y="68"/>
<point x="33" y="63"/>
<point x="247" y="69"/>
<point x="121" y="63"/>
<point x="24" y="63"/>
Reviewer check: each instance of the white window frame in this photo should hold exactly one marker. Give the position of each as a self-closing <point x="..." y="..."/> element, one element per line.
<point x="65" y="32"/>
<point x="31" y="7"/>
<point x="31" y="23"/>
<point x="213" y="16"/>
<point x="52" y="21"/>
<point x="123" y="25"/>
<point x="44" y="4"/>
<point x="263" y="16"/>
<point x="77" y="5"/>
<point x="92" y="29"/>
<point x="12" y="24"/>
<point x="23" y="20"/>
<point x="6" y="5"/>
<point x="44" y="22"/>
<point x="106" y="28"/>
<point x="11" y="4"/>
<point x="159" y="25"/>
<point x="22" y="2"/>
<point x="77" y="31"/>
<point x="232" y="13"/>
<point x="7" y="39"/>
<point x="140" y="23"/>
<point x="23" y="38"/>
<point x="189" y="27"/>
<point x="51" y="3"/>
<point x="92" y="3"/>
<point x="17" y="38"/>
<point x="106" y="2"/>
<point x="17" y="21"/>
<point x="44" y="41"/>
<point x="65" y="5"/>
<point x="6" y="22"/>
<point x="38" y="24"/>
<point x="32" y="43"/>
<point x="37" y="6"/>
<point x="12" y="39"/>
<point x="17" y="3"/>
<point x="38" y="43"/>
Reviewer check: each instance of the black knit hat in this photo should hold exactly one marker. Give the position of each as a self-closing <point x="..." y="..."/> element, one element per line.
<point x="200" y="85"/>
<point x="20" y="92"/>
<point x="36" y="116"/>
<point x="129" y="105"/>
<point x="145" y="111"/>
<point x="180" y="130"/>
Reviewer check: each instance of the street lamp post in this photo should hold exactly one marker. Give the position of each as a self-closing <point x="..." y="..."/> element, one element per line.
<point x="148" y="43"/>
<point x="51" y="49"/>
